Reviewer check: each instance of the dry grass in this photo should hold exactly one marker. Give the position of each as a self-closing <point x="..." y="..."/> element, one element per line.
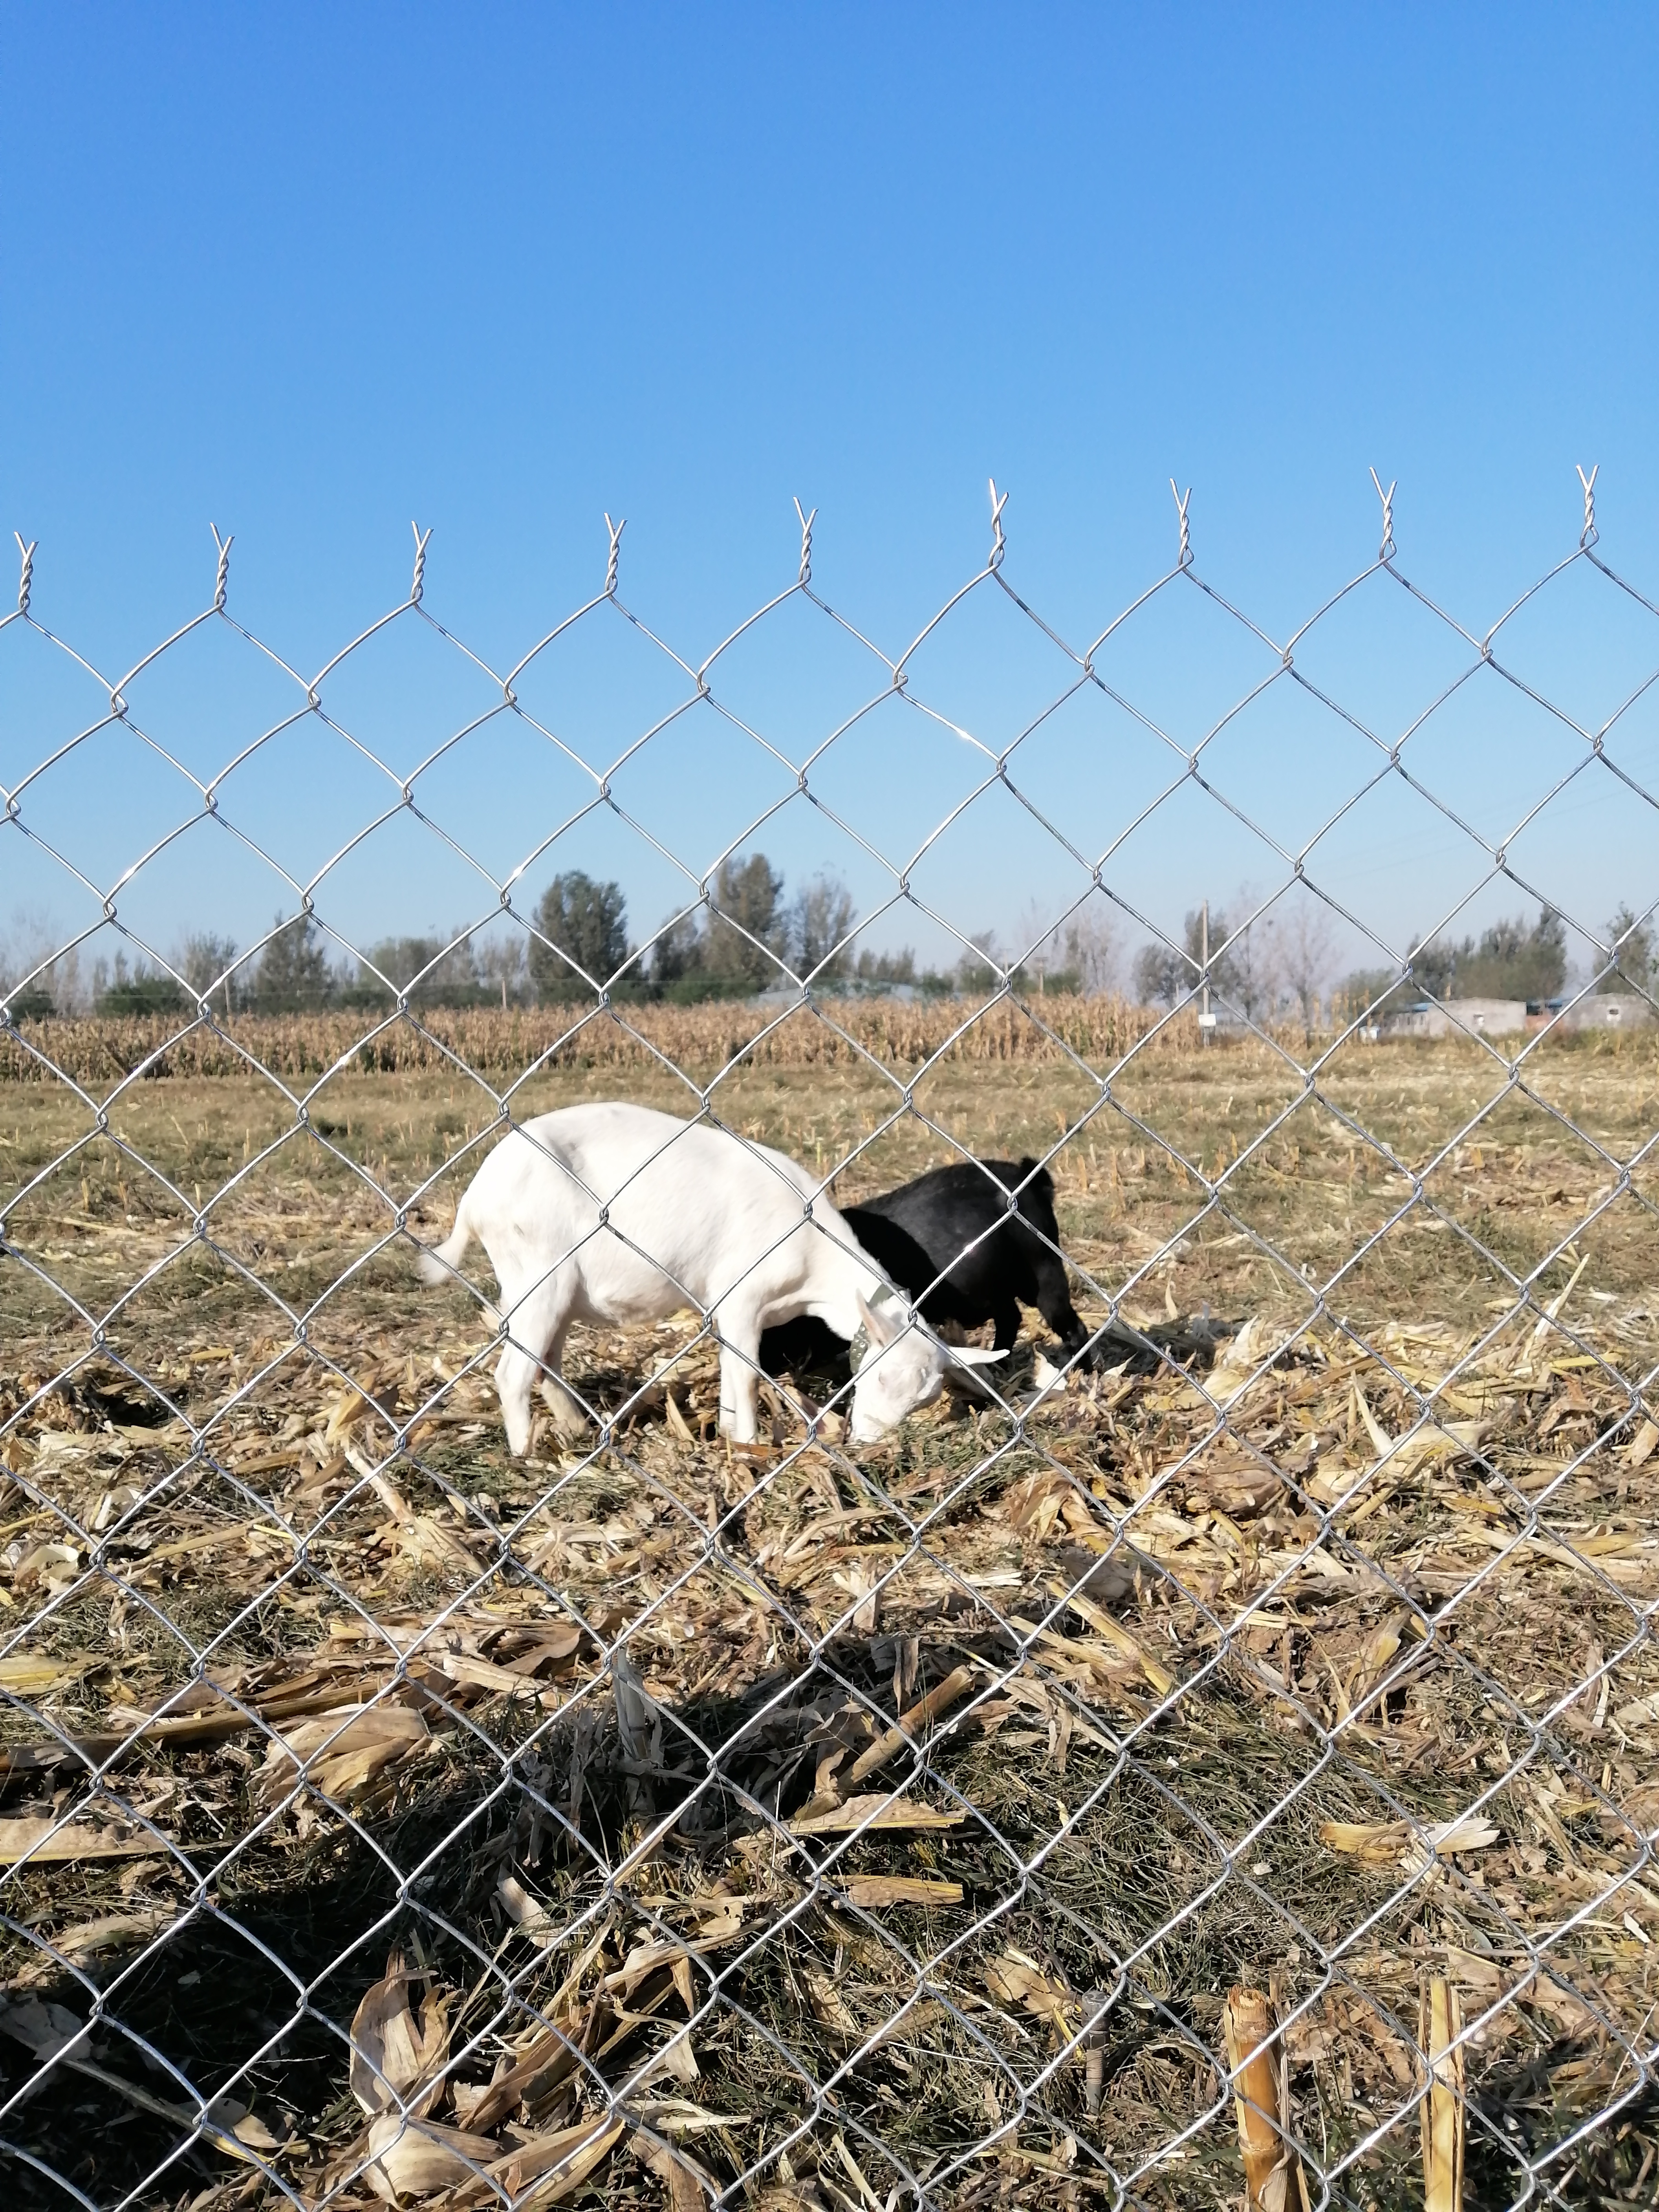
<point x="1406" y="1580"/>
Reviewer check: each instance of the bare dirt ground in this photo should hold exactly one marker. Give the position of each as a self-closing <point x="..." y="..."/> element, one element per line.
<point x="1307" y="1643"/>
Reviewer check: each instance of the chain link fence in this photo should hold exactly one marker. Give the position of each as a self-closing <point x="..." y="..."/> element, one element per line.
<point x="1216" y="1762"/>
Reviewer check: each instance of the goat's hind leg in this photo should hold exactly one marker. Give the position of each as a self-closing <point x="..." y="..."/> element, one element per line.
<point x="535" y="1347"/>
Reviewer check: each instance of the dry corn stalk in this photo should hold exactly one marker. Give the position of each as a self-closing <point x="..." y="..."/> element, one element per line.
<point x="1094" y="2056"/>
<point x="1440" y="2024"/>
<point x="485" y="1038"/>
<point x="939" y="1700"/>
<point x="1273" y="2172"/>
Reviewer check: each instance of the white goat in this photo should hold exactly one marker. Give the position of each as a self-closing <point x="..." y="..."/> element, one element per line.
<point x="614" y="1212"/>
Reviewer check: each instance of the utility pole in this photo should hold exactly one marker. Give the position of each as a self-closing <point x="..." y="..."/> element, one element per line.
<point x="1206" y="1019"/>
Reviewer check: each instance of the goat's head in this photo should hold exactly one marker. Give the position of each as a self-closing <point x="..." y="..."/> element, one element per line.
<point x="900" y="1367"/>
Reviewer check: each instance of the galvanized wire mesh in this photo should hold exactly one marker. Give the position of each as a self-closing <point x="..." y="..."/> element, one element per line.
<point x="948" y="1823"/>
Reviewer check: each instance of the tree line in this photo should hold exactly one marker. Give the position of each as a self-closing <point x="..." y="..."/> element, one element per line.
<point x="751" y="935"/>
<point x="1284" y="963"/>
<point x="747" y="937"/>
<point x="1512" y="961"/>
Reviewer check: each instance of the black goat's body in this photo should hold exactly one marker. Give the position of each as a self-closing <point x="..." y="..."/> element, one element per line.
<point x="952" y="1242"/>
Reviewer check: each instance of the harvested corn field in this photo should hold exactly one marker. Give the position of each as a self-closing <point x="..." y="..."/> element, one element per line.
<point x="665" y="1822"/>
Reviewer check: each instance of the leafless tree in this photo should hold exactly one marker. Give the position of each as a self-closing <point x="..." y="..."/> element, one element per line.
<point x="1306" y="946"/>
<point x="206" y="962"/>
<point x="820" y="922"/>
<point x="503" y="969"/>
<point x="1078" y="954"/>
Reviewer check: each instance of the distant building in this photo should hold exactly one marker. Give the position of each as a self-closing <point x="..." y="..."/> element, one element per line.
<point x="1434" y="1017"/>
<point x="1437" y="1017"/>
<point x="1601" y="1010"/>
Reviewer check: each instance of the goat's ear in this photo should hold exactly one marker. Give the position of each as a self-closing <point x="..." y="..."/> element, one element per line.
<point x="971" y="1356"/>
<point x="877" y="1327"/>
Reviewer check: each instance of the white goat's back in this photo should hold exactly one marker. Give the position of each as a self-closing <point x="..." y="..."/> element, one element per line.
<point x="692" y="1213"/>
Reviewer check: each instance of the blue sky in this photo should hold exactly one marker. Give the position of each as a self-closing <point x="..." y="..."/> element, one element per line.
<point x="308" y="273"/>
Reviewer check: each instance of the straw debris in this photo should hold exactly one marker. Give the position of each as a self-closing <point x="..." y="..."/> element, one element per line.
<point x="965" y="1773"/>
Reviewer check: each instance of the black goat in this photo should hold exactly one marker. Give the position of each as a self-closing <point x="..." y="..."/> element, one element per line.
<point x="950" y="1241"/>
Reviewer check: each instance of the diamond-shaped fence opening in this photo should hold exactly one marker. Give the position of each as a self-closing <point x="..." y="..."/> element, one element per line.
<point x="650" y="1716"/>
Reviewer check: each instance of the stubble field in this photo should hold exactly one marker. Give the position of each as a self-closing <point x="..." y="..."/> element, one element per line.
<point x="1305" y="1642"/>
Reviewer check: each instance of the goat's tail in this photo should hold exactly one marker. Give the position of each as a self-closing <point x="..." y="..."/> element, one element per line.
<point x="438" y="1265"/>
<point x="1034" y="1178"/>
